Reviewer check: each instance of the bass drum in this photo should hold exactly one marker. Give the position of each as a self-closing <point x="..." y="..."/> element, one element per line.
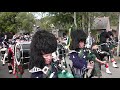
<point x="22" y="53"/>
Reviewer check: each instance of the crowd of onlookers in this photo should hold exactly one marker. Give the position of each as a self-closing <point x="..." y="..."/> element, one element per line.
<point x="11" y="37"/>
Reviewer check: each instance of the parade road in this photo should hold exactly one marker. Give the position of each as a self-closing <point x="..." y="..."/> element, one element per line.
<point x="115" y="71"/>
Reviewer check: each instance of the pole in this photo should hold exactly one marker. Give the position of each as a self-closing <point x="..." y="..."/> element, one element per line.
<point x="118" y="47"/>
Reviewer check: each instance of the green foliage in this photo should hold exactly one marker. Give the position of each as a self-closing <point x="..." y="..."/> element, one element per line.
<point x="64" y="20"/>
<point x="15" y="21"/>
<point x="7" y="21"/>
<point x="45" y="23"/>
<point x="26" y="21"/>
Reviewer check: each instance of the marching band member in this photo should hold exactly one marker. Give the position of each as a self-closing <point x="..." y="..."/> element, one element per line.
<point x="4" y="49"/>
<point x="78" y="54"/>
<point x="112" y="45"/>
<point x="96" y="72"/>
<point x="104" y="36"/>
<point x="10" y="58"/>
<point x="41" y="63"/>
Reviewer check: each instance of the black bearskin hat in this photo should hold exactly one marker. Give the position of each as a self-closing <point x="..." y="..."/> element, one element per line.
<point x="76" y="37"/>
<point x="42" y="42"/>
<point x="110" y="33"/>
<point x="103" y="37"/>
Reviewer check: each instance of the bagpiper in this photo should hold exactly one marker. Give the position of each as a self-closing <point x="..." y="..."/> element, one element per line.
<point x="41" y="64"/>
<point x="78" y="53"/>
<point x="104" y="37"/>
<point x="97" y="57"/>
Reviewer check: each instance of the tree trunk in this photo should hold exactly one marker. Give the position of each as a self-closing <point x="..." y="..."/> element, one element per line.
<point x="88" y="23"/>
<point x="83" y="27"/>
<point x="75" y="22"/>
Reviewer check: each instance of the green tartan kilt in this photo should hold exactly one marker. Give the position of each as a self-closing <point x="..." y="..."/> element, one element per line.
<point x="96" y="70"/>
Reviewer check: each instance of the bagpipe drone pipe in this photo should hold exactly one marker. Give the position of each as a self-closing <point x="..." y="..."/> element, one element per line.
<point x="62" y="72"/>
<point x="112" y="43"/>
<point x="104" y="51"/>
<point x="60" y="55"/>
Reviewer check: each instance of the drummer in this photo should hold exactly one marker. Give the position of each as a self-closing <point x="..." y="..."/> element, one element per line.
<point x="41" y="63"/>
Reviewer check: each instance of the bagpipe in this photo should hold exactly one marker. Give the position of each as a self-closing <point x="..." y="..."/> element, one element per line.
<point x="91" y="57"/>
<point x="83" y="61"/>
<point x="104" y="51"/>
<point x="55" y="70"/>
<point x="112" y="44"/>
<point x="60" y="55"/>
<point x="62" y="72"/>
<point x="59" y="59"/>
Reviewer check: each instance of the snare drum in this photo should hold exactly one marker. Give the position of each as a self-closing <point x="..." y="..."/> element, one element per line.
<point x="22" y="52"/>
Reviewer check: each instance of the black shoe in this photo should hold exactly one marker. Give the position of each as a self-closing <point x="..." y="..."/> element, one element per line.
<point x="10" y="71"/>
<point x="3" y="64"/>
<point x="116" y="67"/>
<point x="109" y="73"/>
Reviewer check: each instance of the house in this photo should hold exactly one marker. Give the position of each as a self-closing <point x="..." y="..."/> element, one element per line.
<point x="101" y="23"/>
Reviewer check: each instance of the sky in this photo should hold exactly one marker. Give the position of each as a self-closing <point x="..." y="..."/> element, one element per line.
<point x="39" y="15"/>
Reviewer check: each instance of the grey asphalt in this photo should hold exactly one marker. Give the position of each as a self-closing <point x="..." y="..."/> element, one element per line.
<point x="115" y="71"/>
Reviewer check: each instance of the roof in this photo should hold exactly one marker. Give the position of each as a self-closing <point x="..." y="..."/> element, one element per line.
<point x="101" y="23"/>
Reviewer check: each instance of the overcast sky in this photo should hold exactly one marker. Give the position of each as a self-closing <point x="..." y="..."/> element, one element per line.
<point x="39" y="15"/>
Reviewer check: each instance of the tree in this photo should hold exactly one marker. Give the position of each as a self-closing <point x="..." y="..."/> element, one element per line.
<point x="25" y="21"/>
<point x="45" y="23"/>
<point x="15" y="21"/>
<point x="8" y="21"/>
<point x="62" y="20"/>
<point x="83" y="20"/>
